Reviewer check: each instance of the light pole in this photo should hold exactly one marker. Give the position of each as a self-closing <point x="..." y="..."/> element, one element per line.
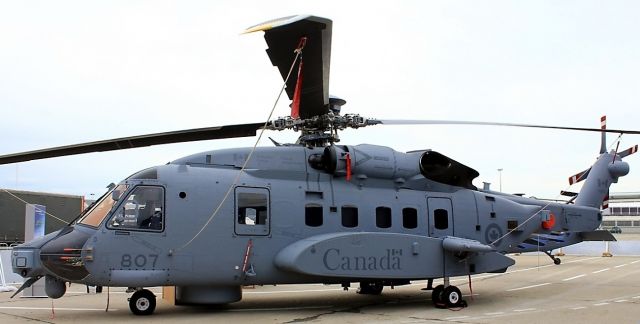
<point x="500" y="174"/>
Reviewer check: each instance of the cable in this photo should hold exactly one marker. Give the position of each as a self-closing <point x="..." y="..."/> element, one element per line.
<point x="298" y="52"/>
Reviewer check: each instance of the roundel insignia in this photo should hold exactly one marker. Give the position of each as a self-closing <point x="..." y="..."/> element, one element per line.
<point x="492" y="234"/>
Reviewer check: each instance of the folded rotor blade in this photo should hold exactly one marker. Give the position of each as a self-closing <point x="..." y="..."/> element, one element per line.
<point x="283" y="36"/>
<point x="189" y="135"/>
<point x="462" y="122"/>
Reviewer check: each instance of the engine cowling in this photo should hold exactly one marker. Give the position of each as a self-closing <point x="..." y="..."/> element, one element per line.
<point x="441" y="168"/>
<point x="385" y="163"/>
<point x="371" y="160"/>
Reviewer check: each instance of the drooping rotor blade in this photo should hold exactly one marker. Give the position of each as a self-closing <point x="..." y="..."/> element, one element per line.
<point x="462" y="122"/>
<point x="283" y="37"/>
<point x="188" y="135"/>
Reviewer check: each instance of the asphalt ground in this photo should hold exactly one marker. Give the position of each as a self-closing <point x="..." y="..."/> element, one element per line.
<point x="581" y="289"/>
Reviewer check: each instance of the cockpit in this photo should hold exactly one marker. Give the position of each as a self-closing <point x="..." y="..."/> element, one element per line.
<point x="140" y="205"/>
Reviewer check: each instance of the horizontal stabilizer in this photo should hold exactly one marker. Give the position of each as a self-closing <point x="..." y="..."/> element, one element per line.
<point x="600" y="235"/>
<point x="568" y="193"/>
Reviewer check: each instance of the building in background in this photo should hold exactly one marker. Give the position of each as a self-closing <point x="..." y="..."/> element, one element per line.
<point x="65" y="208"/>
<point x="623" y="212"/>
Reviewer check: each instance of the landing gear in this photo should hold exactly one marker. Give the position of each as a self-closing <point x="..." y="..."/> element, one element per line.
<point x="447" y="297"/>
<point x="556" y="261"/>
<point x="370" y="288"/>
<point x="143" y="302"/>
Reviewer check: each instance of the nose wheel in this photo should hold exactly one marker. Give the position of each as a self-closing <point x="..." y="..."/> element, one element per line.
<point x="142" y="302"/>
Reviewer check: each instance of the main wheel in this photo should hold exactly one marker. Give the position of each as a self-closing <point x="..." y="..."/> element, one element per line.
<point x="143" y="302"/>
<point x="370" y="288"/>
<point x="436" y="295"/>
<point x="557" y="261"/>
<point x="452" y="296"/>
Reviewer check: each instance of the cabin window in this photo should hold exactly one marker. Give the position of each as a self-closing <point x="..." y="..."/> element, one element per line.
<point x="142" y="209"/>
<point x="252" y="211"/>
<point x="409" y="218"/>
<point x="349" y="216"/>
<point x="313" y="215"/>
<point x="441" y="219"/>
<point x="252" y="208"/>
<point x="383" y="217"/>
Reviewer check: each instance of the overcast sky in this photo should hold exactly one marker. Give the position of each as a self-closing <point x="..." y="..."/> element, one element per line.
<point x="77" y="71"/>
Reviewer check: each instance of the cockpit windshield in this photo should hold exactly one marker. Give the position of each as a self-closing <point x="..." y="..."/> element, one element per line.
<point x="99" y="211"/>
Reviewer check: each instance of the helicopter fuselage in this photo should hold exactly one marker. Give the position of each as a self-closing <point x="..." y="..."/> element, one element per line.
<point x="295" y="214"/>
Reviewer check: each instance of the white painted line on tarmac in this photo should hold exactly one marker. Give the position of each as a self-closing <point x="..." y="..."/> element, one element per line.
<point x="600" y="304"/>
<point x="495" y="313"/>
<point x="621" y="301"/>
<point x="532" y="286"/>
<point x="636" y="297"/>
<point x="490" y="275"/>
<point x="275" y="309"/>
<point x="56" y="308"/>
<point x="455" y="318"/>
<point x="579" y="308"/>
<point x="575" y="277"/>
<point x="620" y="266"/>
<point x="524" y="310"/>
<point x="602" y="270"/>
<point x="636" y="261"/>
<point x="289" y="291"/>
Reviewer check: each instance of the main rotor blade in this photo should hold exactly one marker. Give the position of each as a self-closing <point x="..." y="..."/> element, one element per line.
<point x="462" y="122"/>
<point x="188" y="135"/>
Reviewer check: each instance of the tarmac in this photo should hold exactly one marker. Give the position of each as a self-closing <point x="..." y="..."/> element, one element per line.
<point x="585" y="289"/>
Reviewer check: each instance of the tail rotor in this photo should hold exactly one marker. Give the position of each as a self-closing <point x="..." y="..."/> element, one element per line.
<point x="607" y="169"/>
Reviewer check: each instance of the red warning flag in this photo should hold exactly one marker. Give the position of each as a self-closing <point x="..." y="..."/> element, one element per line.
<point x="348" y="157"/>
<point x="295" y="106"/>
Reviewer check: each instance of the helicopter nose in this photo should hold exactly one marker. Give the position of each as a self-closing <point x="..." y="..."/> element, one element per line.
<point x="62" y="255"/>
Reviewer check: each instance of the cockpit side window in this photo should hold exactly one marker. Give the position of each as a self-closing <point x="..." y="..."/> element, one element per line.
<point x="142" y="209"/>
<point x="99" y="211"/>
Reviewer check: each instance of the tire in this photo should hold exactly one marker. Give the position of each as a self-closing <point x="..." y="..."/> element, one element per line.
<point x="557" y="261"/>
<point x="452" y="296"/>
<point x="143" y="302"/>
<point x="370" y="288"/>
<point x="436" y="295"/>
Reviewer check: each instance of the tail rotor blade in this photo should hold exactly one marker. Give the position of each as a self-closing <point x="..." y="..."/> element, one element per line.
<point x="603" y="142"/>
<point x="628" y="151"/>
<point x="579" y="176"/>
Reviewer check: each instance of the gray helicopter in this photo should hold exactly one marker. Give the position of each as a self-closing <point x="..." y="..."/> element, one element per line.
<point x="309" y="212"/>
